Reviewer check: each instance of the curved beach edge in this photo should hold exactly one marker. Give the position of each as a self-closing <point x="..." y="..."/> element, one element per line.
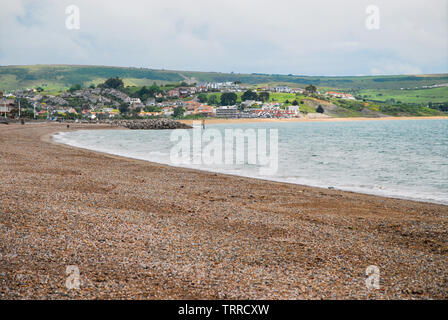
<point x="139" y="230"/>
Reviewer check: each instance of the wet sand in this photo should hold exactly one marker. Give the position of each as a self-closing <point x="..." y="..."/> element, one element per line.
<point x="139" y="230"/>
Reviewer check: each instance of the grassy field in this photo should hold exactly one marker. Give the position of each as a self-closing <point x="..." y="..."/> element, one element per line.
<point x="434" y="95"/>
<point x="55" y="77"/>
<point x="282" y="97"/>
<point x="61" y="77"/>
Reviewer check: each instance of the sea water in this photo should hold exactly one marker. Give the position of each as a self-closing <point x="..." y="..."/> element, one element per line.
<point x="397" y="158"/>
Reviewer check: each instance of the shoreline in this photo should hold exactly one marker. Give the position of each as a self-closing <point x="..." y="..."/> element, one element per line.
<point x="141" y="230"/>
<point x="50" y="139"/>
<point x="256" y="120"/>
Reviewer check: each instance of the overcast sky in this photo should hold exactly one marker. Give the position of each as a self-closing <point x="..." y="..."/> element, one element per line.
<point x="318" y="37"/>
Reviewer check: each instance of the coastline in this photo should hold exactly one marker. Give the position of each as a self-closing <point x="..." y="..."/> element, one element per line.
<point x="144" y="230"/>
<point x="255" y="120"/>
<point x="50" y="139"/>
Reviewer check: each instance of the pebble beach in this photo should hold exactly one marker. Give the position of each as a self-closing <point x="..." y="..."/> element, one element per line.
<point x="140" y="230"/>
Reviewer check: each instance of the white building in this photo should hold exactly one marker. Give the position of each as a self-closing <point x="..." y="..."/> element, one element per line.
<point x="133" y="100"/>
<point x="294" y="109"/>
<point x="284" y="89"/>
<point x="150" y="102"/>
<point x="340" y="95"/>
<point x="227" y="112"/>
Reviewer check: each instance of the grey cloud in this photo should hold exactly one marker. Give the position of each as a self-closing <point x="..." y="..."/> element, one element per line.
<point x="300" y="37"/>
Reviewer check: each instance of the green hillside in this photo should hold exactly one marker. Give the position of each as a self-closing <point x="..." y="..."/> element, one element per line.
<point x="436" y="95"/>
<point x="59" y="77"/>
<point x="56" y="77"/>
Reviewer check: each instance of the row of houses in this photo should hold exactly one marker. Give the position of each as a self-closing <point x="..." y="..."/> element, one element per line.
<point x="183" y="92"/>
<point x="280" y="113"/>
<point x="6" y="105"/>
<point x="225" y="86"/>
<point x="282" y="89"/>
<point x="263" y="112"/>
<point x="340" y="95"/>
<point x="105" y="112"/>
<point x="199" y="109"/>
<point x="196" y="108"/>
<point x="51" y="111"/>
<point x="266" y="110"/>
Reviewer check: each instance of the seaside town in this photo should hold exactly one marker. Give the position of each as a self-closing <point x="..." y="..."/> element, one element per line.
<point x="112" y="99"/>
<point x="223" y="159"/>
